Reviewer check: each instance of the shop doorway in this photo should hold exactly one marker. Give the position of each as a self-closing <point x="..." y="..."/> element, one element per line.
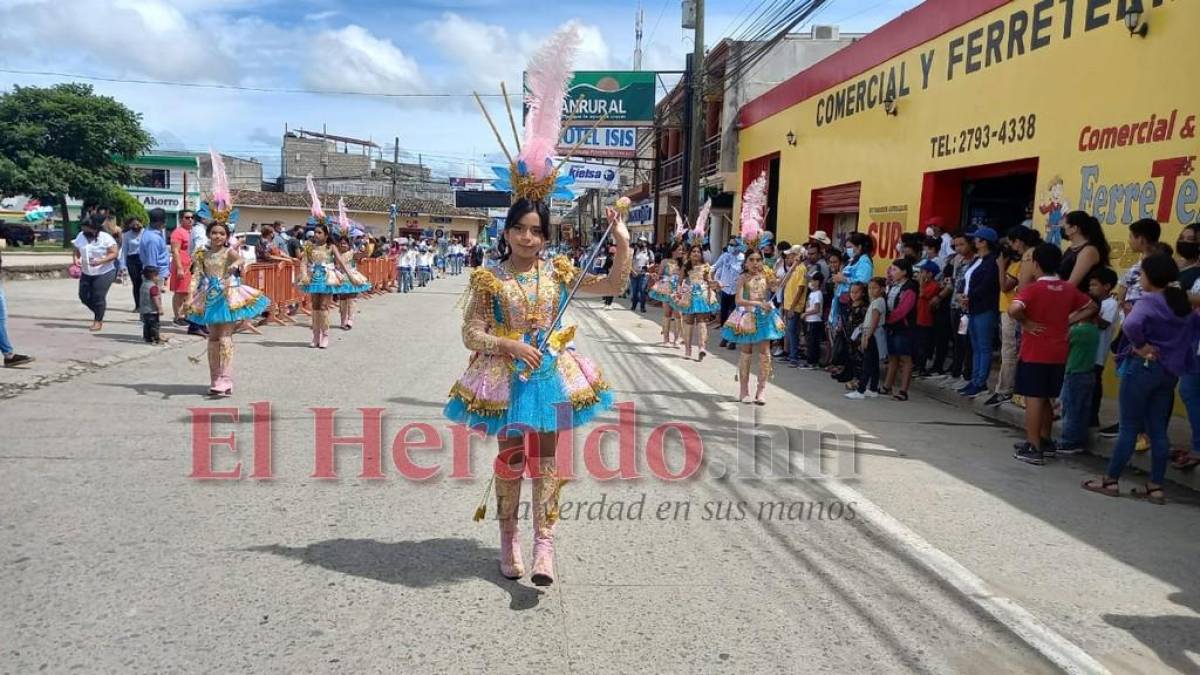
<point x="997" y="195"/>
<point x="834" y="211"/>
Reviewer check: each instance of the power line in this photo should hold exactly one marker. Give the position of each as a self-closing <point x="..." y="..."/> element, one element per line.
<point x="238" y="87"/>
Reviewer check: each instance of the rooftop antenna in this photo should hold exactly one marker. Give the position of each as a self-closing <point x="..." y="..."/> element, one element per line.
<point x="637" y="49"/>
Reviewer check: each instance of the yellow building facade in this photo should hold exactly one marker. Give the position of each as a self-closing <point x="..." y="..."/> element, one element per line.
<point x="980" y="111"/>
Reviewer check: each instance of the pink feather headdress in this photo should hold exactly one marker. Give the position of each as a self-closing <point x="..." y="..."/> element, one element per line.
<point x="681" y="225"/>
<point x="317" y="211"/>
<point x="221" y="197"/>
<point x="548" y="75"/>
<point x="754" y="209"/>
<point x="343" y="219"/>
<point x="702" y="221"/>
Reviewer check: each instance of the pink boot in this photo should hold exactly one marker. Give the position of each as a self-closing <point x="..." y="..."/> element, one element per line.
<point x="546" y="486"/>
<point x="508" y="500"/>
<point x="214" y="367"/>
<point x="324" y="344"/>
<point x="223" y="381"/>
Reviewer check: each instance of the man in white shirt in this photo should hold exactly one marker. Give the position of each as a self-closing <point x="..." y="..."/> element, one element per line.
<point x="726" y="271"/>
<point x="199" y="234"/>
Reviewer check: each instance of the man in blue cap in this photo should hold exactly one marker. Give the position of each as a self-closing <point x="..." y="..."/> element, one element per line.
<point x="981" y="300"/>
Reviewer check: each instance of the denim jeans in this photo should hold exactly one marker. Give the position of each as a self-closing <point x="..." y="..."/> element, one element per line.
<point x="982" y="331"/>
<point x="794" y="325"/>
<point x="637" y="291"/>
<point x="868" y="376"/>
<point x="1146" y="396"/>
<point x="93" y="292"/>
<point x="406" y="279"/>
<point x="1076" y="400"/>
<point x="1189" y="391"/>
<point x="5" y="346"/>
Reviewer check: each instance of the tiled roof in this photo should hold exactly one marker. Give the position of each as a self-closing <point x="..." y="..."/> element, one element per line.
<point x="371" y="204"/>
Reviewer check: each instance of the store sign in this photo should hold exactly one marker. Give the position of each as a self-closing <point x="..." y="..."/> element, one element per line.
<point x="642" y="213"/>
<point x="967" y="51"/>
<point x="886" y="225"/>
<point x="470" y="184"/>
<point x="159" y="200"/>
<point x="591" y="176"/>
<point x="610" y="97"/>
<point x="610" y="142"/>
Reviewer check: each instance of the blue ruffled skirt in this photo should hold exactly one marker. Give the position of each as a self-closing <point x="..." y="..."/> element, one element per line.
<point x="748" y="326"/>
<point x="319" y="282"/>
<point x="542" y="404"/>
<point x="700" y="303"/>
<point x="228" y="305"/>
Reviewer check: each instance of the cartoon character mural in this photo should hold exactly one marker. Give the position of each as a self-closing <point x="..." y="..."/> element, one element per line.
<point x="1054" y="207"/>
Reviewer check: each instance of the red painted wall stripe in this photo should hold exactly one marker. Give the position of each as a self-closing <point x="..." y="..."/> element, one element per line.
<point x="914" y="27"/>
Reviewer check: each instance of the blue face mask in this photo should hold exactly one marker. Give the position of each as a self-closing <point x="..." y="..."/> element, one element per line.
<point x="850" y="251"/>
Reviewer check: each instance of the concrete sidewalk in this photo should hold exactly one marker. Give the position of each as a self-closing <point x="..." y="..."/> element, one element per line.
<point x="30" y="266"/>
<point x="47" y="321"/>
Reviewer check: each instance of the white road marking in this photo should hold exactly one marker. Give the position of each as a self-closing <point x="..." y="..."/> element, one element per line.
<point x="1048" y="642"/>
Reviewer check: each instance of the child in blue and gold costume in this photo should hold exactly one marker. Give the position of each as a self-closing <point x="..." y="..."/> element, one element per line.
<point x="516" y="392"/>
<point x="754" y="323"/>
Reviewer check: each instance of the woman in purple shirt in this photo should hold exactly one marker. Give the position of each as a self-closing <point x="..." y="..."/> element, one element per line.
<point x="1162" y="333"/>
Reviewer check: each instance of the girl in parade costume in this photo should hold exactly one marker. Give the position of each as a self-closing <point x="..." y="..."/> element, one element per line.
<point x="696" y="300"/>
<point x="664" y="288"/>
<point x="322" y="273"/>
<point x="352" y="284"/>
<point x="754" y="324"/>
<point x="525" y="383"/>
<point x="217" y="299"/>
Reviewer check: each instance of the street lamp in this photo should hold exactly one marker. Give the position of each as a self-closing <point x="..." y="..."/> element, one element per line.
<point x="889" y="104"/>
<point x="1133" y="19"/>
<point x="791" y="139"/>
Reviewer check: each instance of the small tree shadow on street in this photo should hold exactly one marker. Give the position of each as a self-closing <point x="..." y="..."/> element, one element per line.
<point x="1171" y="637"/>
<point x="415" y="564"/>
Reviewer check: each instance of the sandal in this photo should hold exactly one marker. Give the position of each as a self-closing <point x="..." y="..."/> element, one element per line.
<point x="1148" y="493"/>
<point x="900" y="396"/>
<point x="1103" y="486"/>
<point x="885" y="391"/>
<point x="1187" y="462"/>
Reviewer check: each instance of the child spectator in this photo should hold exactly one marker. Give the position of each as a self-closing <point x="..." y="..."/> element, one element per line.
<point x="927" y="273"/>
<point x="1044" y="309"/>
<point x="901" y="322"/>
<point x="814" y="323"/>
<point x="150" y="306"/>
<point x="869" y="341"/>
<point x="852" y="328"/>
<point x="1100" y="287"/>
<point x="1080" y="379"/>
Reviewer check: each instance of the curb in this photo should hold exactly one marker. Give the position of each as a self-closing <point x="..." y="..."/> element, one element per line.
<point x="1014" y="416"/>
<point x="34" y="272"/>
<point x="74" y="369"/>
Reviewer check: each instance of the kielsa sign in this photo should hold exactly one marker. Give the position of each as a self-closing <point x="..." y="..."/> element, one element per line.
<point x="610" y="97"/>
<point x="606" y="142"/>
<point x="591" y="176"/>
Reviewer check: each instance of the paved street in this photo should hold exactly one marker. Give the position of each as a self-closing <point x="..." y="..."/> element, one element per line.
<point x="956" y="559"/>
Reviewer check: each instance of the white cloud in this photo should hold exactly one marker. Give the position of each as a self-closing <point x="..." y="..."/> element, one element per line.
<point x="321" y="16"/>
<point x="160" y="40"/>
<point x="353" y="59"/>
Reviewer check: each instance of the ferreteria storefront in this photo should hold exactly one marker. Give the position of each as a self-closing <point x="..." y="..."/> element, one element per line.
<point x="981" y="111"/>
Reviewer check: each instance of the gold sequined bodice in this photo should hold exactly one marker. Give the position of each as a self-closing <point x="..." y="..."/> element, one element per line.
<point x="756" y="288"/>
<point x="527" y="301"/>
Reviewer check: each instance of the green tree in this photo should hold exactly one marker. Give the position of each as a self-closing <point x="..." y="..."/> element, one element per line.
<point x="65" y="140"/>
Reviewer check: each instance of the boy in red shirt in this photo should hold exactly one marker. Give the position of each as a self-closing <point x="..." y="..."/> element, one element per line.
<point x="1045" y="310"/>
<point x="929" y="288"/>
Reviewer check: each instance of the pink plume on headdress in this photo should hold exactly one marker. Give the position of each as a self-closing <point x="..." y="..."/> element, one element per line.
<point x="220" y="183"/>
<point x="680" y="224"/>
<point x="702" y="220"/>
<point x="317" y="211"/>
<point x="547" y="78"/>
<point x="754" y="207"/>
<point x="343" y="219"/>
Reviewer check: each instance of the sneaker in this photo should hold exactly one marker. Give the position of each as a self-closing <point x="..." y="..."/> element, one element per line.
<point x="1029" y="454"/>
<point x="963" y="390"/>
<point x="1049" y="449"/>
<point x="871" y="394"/>
<point x="855" y="396"/>
<point x="14" y="360"/>
<point x="998" y="399"/>
<point x="1070" y="449"/>
<point x="973" y="391"/>
<point x="1110" y="431"/>
<point x="793" y="364"/>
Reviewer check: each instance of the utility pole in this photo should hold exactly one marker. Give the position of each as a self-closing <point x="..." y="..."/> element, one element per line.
<point x="395" y="165"/>
<point x="696" y="106"/>
<point x="637" y="49"/>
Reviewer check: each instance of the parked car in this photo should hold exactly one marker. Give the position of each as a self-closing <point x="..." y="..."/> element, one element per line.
<point x="17" y="234"/>
<point x="55" y="234"/>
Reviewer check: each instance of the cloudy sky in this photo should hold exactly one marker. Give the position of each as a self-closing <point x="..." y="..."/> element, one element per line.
<point x="330" y="46"/>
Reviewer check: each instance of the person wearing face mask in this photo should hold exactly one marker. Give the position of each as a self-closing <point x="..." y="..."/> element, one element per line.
<point x="726" y="270"/>
<point x="860" y="269"/>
